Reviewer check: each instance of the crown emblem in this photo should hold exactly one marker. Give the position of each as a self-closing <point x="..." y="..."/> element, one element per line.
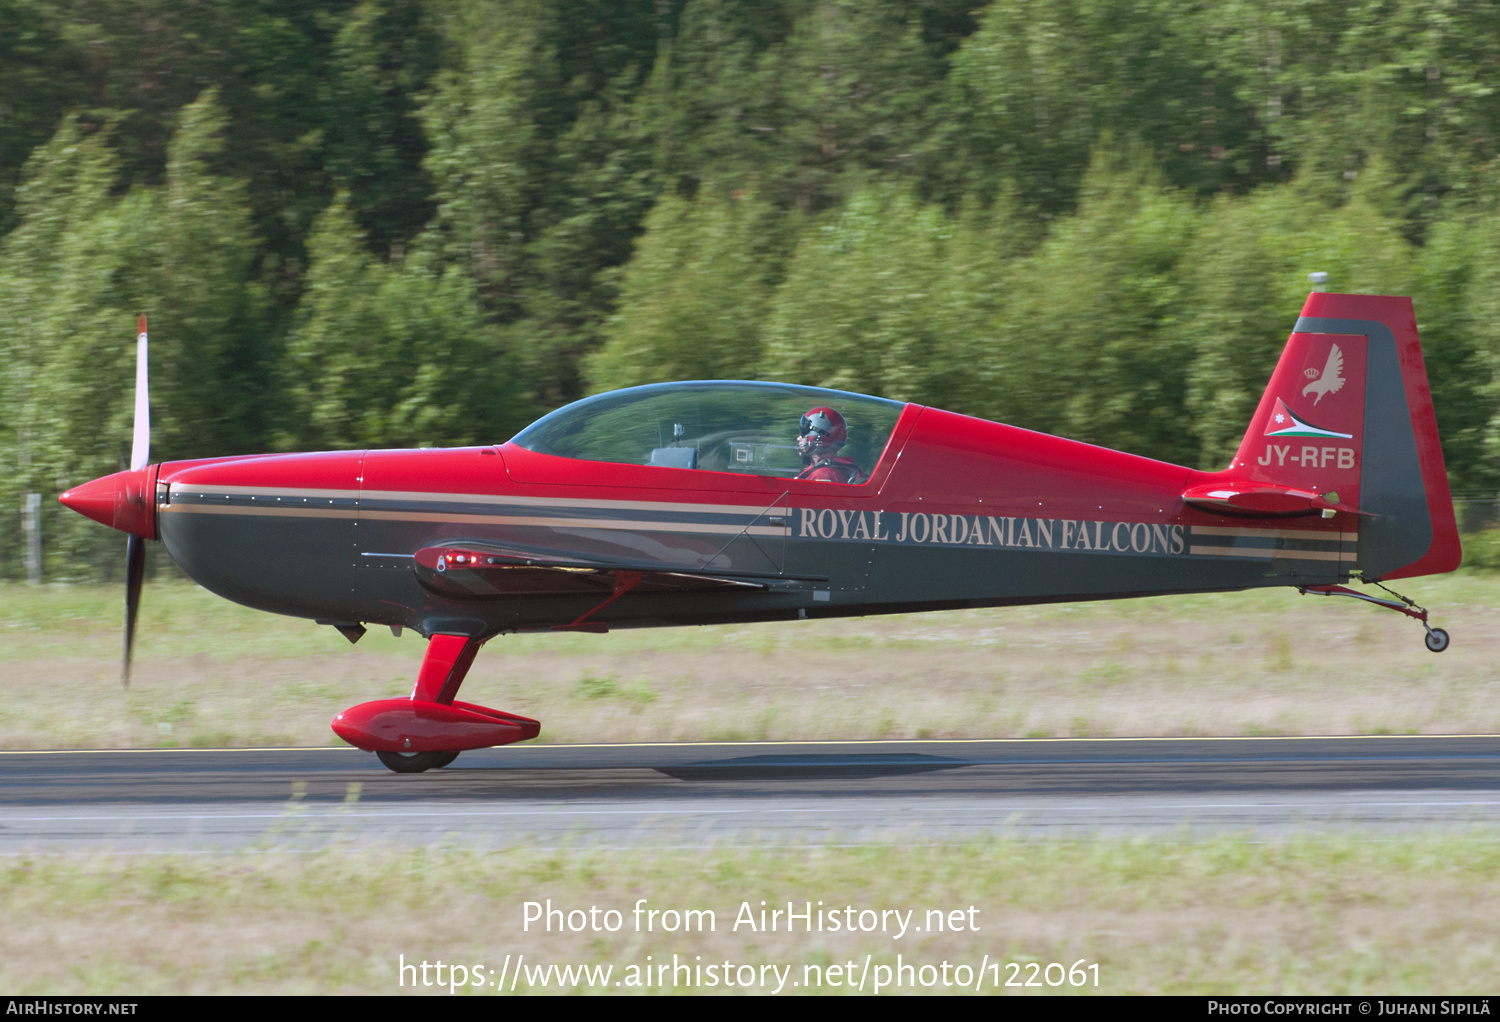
<point x="1310" y="373"/>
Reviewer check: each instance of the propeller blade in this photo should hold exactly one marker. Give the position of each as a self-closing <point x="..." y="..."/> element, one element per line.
<point x="140" y="442"/>
<point x="135" y="571"/>
<point x="140" y="454"/>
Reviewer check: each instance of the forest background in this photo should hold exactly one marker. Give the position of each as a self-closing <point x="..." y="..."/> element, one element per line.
<point x="426" y="222"/>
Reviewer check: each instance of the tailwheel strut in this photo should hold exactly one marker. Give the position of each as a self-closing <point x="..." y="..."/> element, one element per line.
<point x="1436" y="639"/>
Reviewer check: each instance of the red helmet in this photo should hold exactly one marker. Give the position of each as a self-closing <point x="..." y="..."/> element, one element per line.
<point x="821" y="432"/>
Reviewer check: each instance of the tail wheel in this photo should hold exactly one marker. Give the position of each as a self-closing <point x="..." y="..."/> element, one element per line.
<point x="1437" y="640"/>
<point x="415" y="762"/>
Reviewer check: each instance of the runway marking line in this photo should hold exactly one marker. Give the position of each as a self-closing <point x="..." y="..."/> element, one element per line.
<point x="793" y="744"/>
<point x="333" y="814"/>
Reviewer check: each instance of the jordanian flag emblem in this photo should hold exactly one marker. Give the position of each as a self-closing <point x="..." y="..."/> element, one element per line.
<point x="1284" y="423"/>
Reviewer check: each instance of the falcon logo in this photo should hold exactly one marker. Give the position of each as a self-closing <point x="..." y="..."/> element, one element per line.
<point x="1331" y="381"/>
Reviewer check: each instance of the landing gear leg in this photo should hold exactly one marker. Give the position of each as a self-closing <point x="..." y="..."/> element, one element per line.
<point x="1436" y="639"/>
<point x="448" y="660"/>
<point x="428" y="729"/>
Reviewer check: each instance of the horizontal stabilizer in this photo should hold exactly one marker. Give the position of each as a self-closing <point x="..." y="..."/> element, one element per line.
<point x="1261" y="499"/>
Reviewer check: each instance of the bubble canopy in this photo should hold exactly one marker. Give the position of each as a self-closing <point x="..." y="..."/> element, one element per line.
<point x="715" y="426"/>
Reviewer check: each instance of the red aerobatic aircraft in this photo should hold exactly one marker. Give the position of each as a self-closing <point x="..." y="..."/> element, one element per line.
<point x="694" y="503"/>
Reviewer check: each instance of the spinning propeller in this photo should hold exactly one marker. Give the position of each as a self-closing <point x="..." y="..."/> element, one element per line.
<point x="125" y="500"/>
<point x="140" y="454"/>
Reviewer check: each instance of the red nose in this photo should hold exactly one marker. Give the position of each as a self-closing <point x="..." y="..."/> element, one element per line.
<point x="122" y="501"/>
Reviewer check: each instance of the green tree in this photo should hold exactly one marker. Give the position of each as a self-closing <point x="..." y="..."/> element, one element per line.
<point x="869" y="302"/>
<point x="211" y="352"/>
<point x="1414" y="81"/>
<point x="318" y="95"/>
<point x="1454" y="300"/>
<point x="389" y="355"/>
<point x="1041" y="85"/>
<point x="796" y="94"/>
<point x="74" y="274"/>
<point x="383" y="56"/>
<point x="70" y="274"/>
<point x="1458" y="311"/>
<point x="1247" y="278"/>
<point x="41" y="76"/>
<point x="694" y="297"/>
<point x="543" y="145"/>
<point x="1235" y="316"/>
<point x="1083" y="346"/>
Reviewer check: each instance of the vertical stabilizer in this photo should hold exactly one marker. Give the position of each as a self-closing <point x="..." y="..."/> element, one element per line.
<point x="1348" y="414"/>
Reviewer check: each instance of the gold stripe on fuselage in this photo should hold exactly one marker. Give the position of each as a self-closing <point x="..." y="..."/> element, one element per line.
<point x="481" y="498"/>
<point x="240" y="509"/>
<point x="1269" y="553"/>
<point x="616" y="524"/>
<point x="1240" y="532"/>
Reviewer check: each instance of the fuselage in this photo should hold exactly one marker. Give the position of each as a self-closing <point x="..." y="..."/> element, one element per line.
<point x="955" y="512"/>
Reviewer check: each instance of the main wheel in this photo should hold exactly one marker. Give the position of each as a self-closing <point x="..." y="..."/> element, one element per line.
<point x="1437" y="640"/>
<point x="415" y="762"/>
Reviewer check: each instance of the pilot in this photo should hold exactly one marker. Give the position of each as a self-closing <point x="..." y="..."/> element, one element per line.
<point x="820" y="434"/>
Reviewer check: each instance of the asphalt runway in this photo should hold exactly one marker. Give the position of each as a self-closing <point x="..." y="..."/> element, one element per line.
<point x="764" y="794"/>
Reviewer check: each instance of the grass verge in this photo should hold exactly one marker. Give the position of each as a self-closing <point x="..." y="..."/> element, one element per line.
<point x="1317" y="915"/>
<point x="210" y="673"/>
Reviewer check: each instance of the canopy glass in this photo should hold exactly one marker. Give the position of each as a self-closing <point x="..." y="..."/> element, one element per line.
<point x="714" y="426"/>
